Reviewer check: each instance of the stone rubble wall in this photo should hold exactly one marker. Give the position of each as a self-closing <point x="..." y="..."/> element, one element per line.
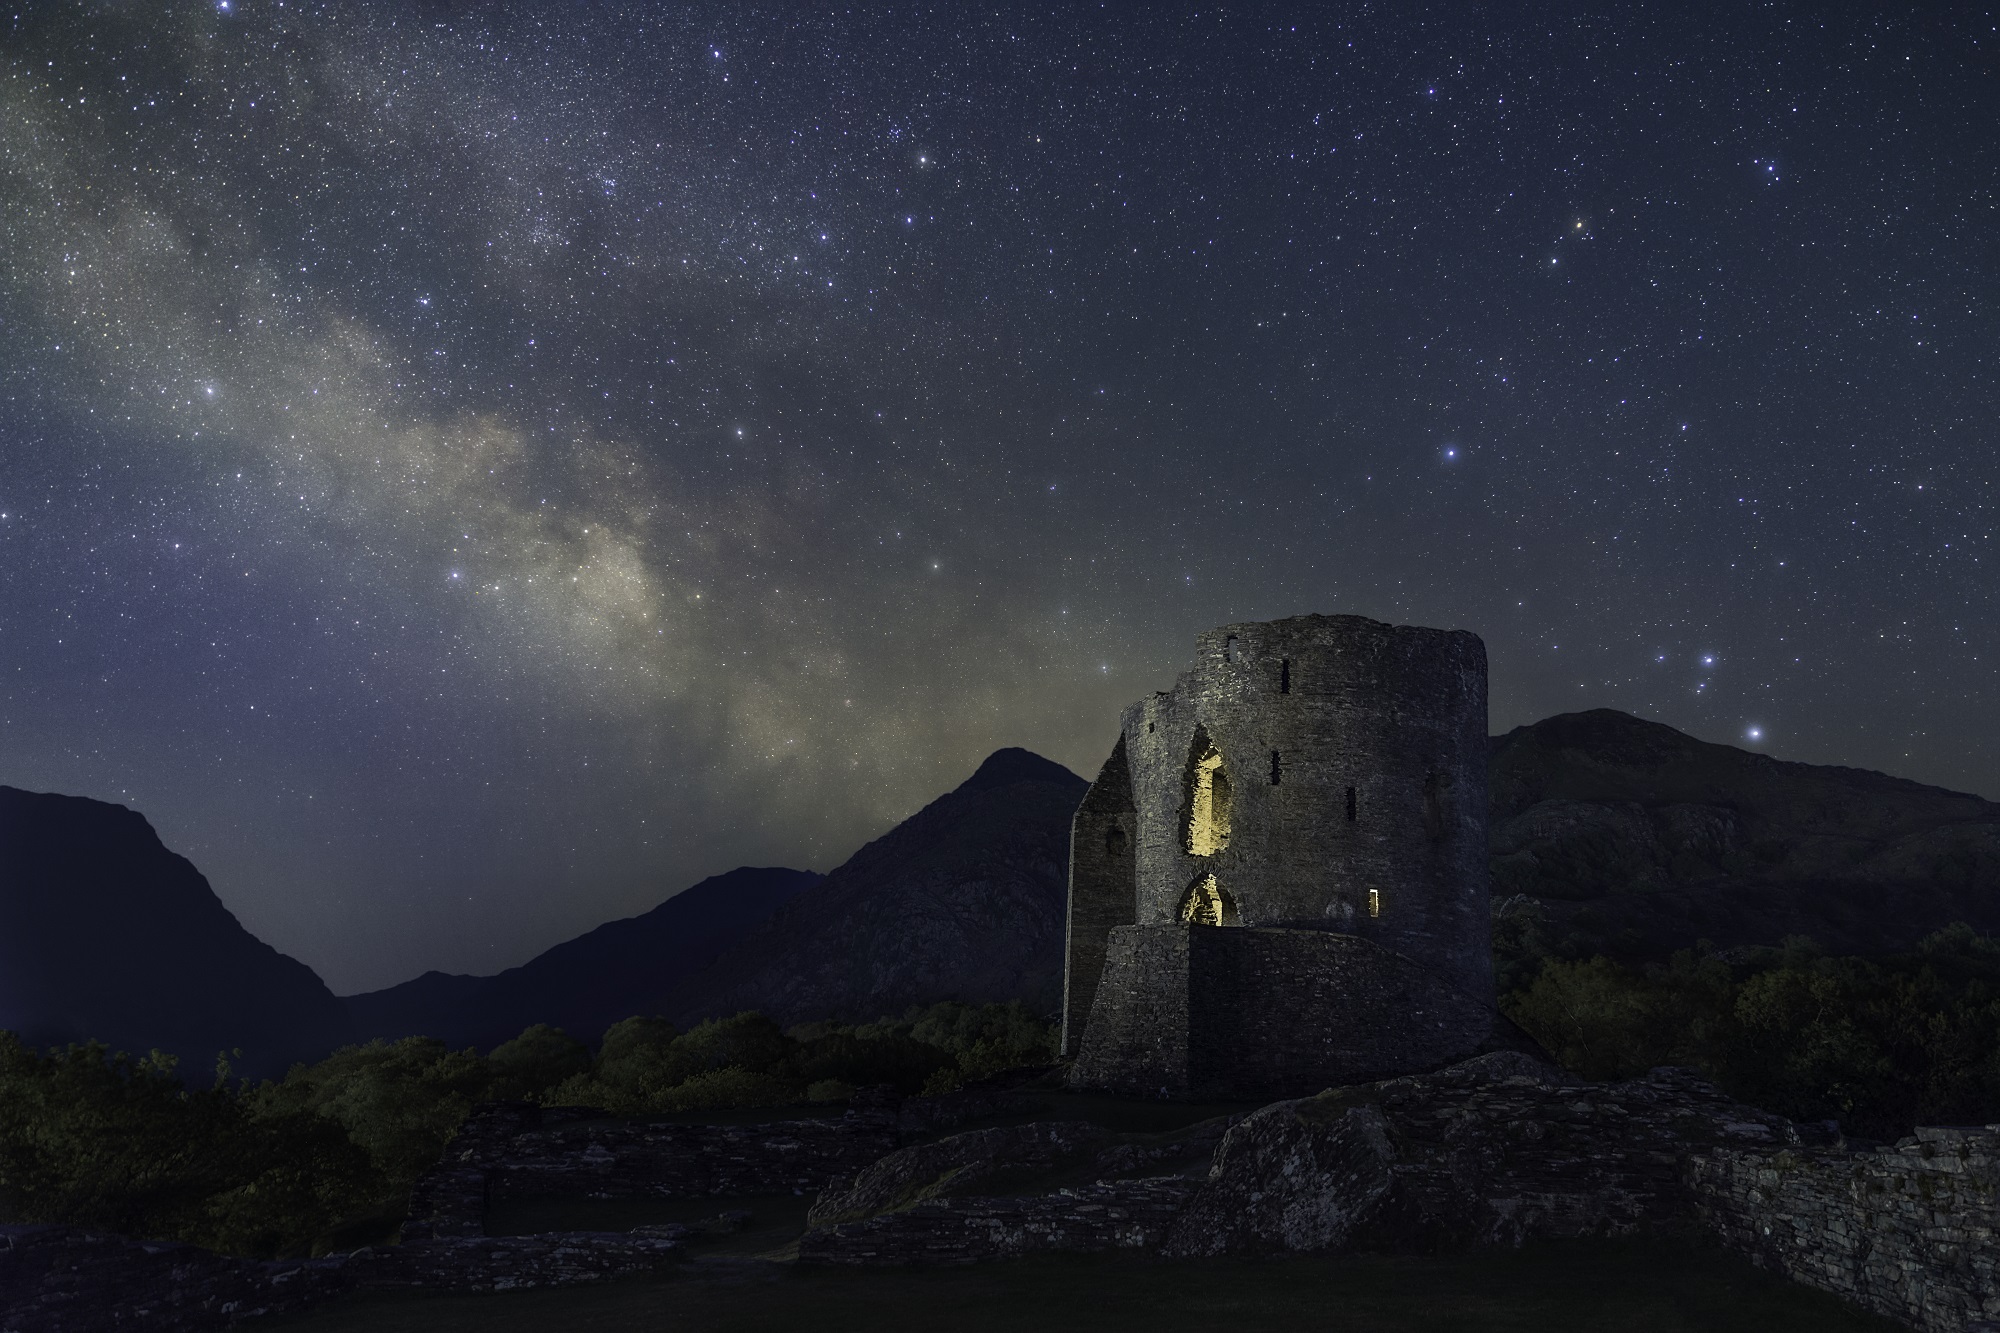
<point x="509" y="1150"/>
<point x="1108" y="1215"/>
<point x="65" y="1280"/>
<point x="1906" y="1231"/>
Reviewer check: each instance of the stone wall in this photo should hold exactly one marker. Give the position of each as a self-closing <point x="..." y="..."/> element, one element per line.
<point x="1302" y="711"/>
<point x="509" y="1150"/>
<point x="66" y="1280"/>
<point x="1906" y="1231"/>
<point x="1114" y="1215"/>
<point x="1102" y="884"/>
<point x="1219" y="1011"/>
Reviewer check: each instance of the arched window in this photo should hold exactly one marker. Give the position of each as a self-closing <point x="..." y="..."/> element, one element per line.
<point x="1114" y="841"/>
<point x="1208" y="797"/>
<point x="1206" y="904"/>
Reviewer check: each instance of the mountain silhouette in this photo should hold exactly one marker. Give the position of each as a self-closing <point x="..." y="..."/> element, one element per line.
<point x="107" y="935"/>
<point x="584" y="985"/>
<point x="1629" y="837"/>
<point x="964" y="900"/>
<point x="1608" y="834"/>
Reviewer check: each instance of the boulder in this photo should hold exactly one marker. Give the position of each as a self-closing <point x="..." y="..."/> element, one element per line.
<point x="1495" y="1150"/>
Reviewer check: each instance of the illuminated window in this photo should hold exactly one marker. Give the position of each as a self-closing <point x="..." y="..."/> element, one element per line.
<point x="1374" y="902"/>
<point x="1207" y="905"/>
<point x="1208" y="798"/>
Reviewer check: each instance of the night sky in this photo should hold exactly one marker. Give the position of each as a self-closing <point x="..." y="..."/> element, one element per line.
<point x="471" y="470"/>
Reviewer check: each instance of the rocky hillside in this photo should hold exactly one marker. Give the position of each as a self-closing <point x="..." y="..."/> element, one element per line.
<point x="106" y="934"/>
<point x="584" y="985"/>
<point x="963" y="900"/>
<point x="1614" y="834"/>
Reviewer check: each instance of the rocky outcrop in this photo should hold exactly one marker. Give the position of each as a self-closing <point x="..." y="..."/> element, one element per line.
<point x="1495" y="1151"/>
<point x="963" y="900"/>
<point x="941" y="1202"/>
<point x="952" y="1165"/>
<point x="1614" y="834"/>
<point x="106" y="935"/>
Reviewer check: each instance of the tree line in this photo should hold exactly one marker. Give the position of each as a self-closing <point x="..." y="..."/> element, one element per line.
<point x="324" y="1158"/>
<point x="1878" y="1044"/>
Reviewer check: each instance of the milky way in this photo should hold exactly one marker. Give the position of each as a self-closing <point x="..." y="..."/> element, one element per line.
<point x="469" y="471"/>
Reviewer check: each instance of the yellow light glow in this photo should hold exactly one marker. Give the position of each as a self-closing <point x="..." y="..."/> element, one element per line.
<point x="1208" y="810"/>
<point x="1207" y="905"/>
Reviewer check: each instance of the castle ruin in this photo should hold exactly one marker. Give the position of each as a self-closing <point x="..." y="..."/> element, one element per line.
<point x="1278" y="881"/>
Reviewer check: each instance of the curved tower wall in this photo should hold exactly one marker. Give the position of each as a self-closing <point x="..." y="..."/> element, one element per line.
<point x="1355" y="757"/>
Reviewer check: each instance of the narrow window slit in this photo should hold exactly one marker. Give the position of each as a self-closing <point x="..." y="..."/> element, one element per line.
<point x="1285" y="676"/>
<point x="1350" y="805"/>
<point x="1274" y="768"/>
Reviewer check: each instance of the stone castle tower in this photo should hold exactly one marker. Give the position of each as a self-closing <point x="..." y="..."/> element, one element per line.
<point x="1278" y="882"/>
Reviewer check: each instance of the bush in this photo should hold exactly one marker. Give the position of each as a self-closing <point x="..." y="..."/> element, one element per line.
<point x="100" y="1140"/>
<point x="400" y="1101"/>
<point x="537" y="1060"/>
<point x="1879" y="1044"/>
<point x="726" y="1090"/>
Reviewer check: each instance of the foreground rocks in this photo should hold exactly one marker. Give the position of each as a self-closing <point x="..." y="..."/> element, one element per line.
<point x="1495" y="1151"/>
<point x="66" y="1280"/>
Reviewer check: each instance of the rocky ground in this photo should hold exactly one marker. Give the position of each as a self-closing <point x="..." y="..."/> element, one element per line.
<point x="1489" y="1154"/>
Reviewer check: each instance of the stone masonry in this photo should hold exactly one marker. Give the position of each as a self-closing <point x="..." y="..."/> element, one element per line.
<point x="1316" y="787"/>
<point x="1906" y="1231"/>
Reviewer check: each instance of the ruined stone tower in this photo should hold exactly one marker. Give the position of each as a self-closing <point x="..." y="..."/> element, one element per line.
<point x="1278" y="882"/>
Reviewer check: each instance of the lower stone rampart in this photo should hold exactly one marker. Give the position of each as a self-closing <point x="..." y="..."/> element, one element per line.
<point x="1219" y="1011"/>
<point x="66" y="1280"/>
<point x="1108" y="1215"/>
<point x="1906" y="1231"/>
<point x="512" y="1150"/>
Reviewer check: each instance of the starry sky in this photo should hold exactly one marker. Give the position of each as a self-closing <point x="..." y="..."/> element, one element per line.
<point x="470" y="470"/>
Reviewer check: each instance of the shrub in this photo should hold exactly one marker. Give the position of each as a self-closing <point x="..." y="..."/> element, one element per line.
<point x="728" y="1089"/>
<point x="538" y="1059"/>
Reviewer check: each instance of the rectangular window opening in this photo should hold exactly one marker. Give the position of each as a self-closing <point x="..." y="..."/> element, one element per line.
<point x="1285" y="676"/>
<point x="1274" y="768"/>
<point x="1350" y="805"/>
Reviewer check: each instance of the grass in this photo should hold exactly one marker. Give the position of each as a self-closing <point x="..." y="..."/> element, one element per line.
<point x="1634" y="1286"/>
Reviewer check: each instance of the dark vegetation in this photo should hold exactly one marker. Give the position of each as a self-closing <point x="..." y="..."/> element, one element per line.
<point x="1879" y="1044"/>
<point x="325" y="1157"/>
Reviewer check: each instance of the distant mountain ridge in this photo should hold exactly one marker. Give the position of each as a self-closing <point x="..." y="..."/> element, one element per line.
<point x="964" y="900"/>
<point x="584" y="985"/>
<point x="1608" y="833"/>
<point x="1632" y="838"/>
<point x="107" y="935"/>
